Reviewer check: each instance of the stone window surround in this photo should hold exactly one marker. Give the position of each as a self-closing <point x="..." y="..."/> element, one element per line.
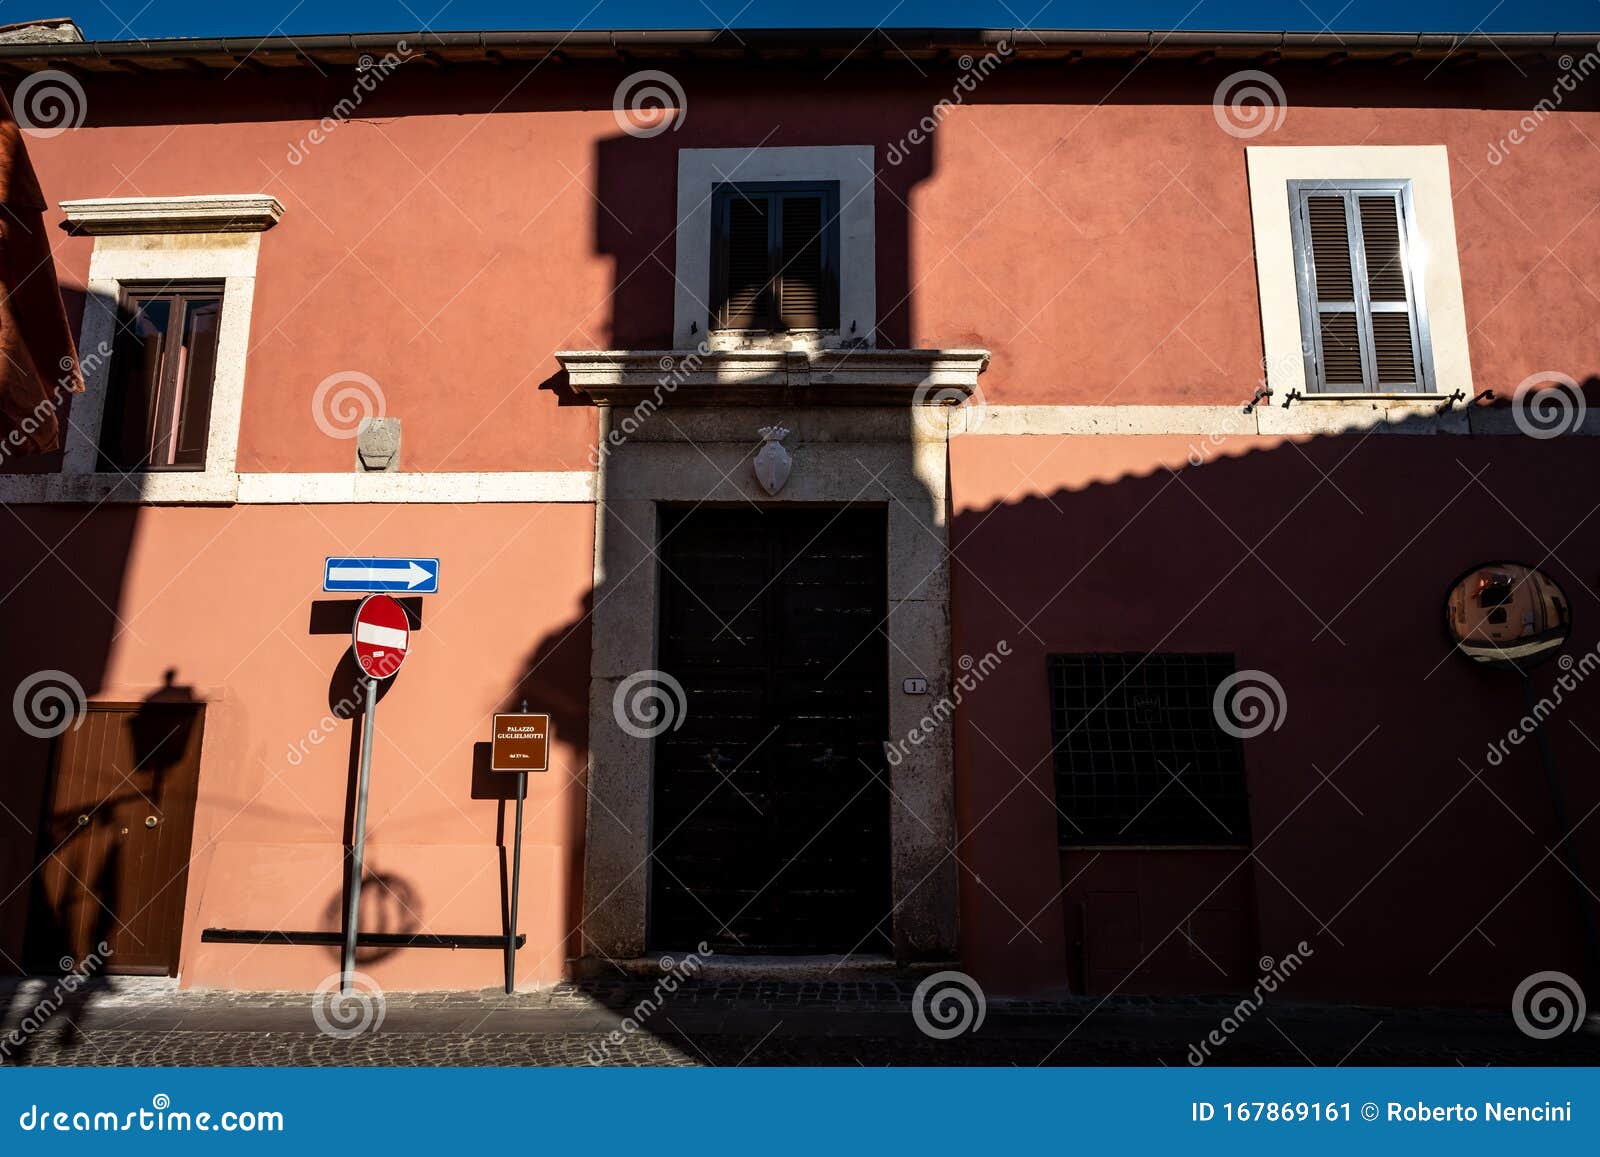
<point x="700" y="169"/>
<point x="1427" y="167"/>
<point x="160" y="239"/>
<point x="882" y="455"/>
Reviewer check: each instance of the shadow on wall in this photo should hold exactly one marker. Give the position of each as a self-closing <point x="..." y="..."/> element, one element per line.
<point x="124" y="779"/>
<point x="725" y="641"/>
<point x="50" y="665"/>
<point x="554" y="681"/>
<point x="1415" y="867"/>
<point x="819" y="95"/>
<point x="638" y="209"/>
<point x="1130" y="552"/>
<point x="52" y="662"/>
<point x="1390" y="826"/>
<point x="635" y="175"/>
<point x="392" y="904"/>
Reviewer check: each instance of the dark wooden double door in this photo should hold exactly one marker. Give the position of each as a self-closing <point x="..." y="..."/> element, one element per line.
<point x="770" y="827"/>
<point x="115" y="839"/>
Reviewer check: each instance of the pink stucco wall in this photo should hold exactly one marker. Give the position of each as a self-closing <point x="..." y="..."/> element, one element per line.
<point x="1096" y="237"/>
<point x="218" y="602"/>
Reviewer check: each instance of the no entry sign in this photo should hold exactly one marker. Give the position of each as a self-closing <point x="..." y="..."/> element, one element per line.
<point x="382" y="636"/>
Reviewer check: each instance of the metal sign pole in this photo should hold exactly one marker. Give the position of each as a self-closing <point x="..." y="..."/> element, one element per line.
<point x="516" y="881"/>
<point x="347" y="967"/>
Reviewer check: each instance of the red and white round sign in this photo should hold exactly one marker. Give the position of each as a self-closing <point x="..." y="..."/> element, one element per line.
<point x="382" y="636"/>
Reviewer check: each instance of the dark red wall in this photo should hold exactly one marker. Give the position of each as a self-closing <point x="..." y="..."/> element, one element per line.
<point x="1420" y="873"/>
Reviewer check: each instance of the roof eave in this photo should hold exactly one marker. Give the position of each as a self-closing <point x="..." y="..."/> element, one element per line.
<point x="776" y="44"/>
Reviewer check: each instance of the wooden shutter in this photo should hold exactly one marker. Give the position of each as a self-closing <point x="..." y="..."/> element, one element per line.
<point x="1334" y="270"/>
<point x="137" y="359"/>
<point x="1357" y="294"/>
<point x="800" y="288"/>
<point x="1383" y="253"/>
<point x="775" y="257"/>
<point x="191" y="407"/>
<point x="745" y="299"/>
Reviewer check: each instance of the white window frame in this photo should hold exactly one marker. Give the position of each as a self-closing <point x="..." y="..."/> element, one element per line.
<point x="1436" y="266"/>
<point x="699" y="170"/>
<point x="166" y="239"/>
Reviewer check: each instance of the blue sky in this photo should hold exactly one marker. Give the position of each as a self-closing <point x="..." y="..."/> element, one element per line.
<point x="132" y="19"/>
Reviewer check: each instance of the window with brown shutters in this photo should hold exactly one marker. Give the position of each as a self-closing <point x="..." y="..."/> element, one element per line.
<point x="1363" y="326"/>
<point x="775" y="256"/>
<point x="158" y="410"/>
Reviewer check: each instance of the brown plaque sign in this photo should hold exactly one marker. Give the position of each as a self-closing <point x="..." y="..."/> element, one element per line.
<point x="521" y="743"/>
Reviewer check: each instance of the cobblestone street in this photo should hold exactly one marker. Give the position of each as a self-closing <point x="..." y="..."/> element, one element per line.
<point x="145" y="1022"/>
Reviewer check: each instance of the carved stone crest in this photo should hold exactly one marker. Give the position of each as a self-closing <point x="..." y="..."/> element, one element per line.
<point x="773" y="462"/>
<point x="378" y="444"/>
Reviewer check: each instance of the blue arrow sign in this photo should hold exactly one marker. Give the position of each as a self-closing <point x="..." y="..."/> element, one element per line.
<point x="413" y="576"/>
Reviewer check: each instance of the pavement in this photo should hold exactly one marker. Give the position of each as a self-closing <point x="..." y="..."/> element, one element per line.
<point x="140" y="1021"/>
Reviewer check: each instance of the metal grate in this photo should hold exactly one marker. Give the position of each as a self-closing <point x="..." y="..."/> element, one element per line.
<point x="1139" y="757"/>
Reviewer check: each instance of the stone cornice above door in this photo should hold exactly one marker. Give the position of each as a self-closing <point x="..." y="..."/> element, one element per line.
<point x="854" y="377"/>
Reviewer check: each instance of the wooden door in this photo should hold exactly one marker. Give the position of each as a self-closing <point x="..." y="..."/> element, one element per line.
<point x="115" y="839"/>
<point x="771" y="821"/>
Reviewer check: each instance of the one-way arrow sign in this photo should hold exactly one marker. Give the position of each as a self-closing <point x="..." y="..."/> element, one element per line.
<point x="416" y="576"/>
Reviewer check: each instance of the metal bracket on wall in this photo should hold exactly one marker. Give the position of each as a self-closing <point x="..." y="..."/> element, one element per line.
<point x="364" y="940"/>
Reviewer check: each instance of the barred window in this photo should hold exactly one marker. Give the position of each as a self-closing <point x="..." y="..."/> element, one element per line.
<point x="1140" y="757"/>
